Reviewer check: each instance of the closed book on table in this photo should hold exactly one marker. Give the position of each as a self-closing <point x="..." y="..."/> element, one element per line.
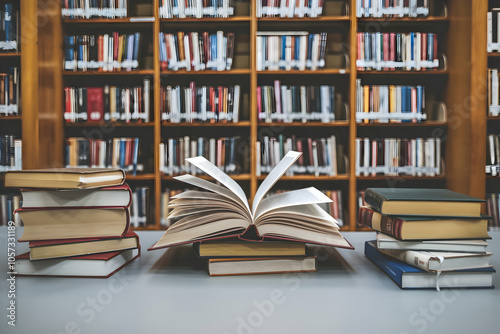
<point x="254" y="266"/>
<point x="409" y="277"/>
<point x="97" y="265"/>
<point x="455" y="245"/>
<point x="423" y="202"/>
<point x="46" y="224"/>
<point x="65" y="178"/>
<point x="241" y="248"/>
<point x="49" y="249"/>
<point x="420" y="228"/>
<point x="118" y="196"/>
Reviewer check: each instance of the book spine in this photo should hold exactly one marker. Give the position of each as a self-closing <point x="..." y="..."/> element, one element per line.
<point x="394" y="272"/>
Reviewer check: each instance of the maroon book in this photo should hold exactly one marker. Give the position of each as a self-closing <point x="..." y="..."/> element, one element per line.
<point x="95" y="104"/>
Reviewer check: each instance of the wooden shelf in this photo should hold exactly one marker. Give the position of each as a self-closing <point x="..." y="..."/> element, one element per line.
<point x="230" y="72"/>
<point x="208" y="20"/>
<point x="128" y="20"/>
<point x="343" y="177"/>
<point x="96" y="73"/>
<point x="9" y="54"/>
<point x="317" y="72"/>
<point x="10" y="118"/>
<point x="217" y="124"/>
<point x="107" y="124"/>
<point x="433" y="19"/>
<point x="305" y="19"/>
<point x="491" y="177"/>
<point x="493" y="118"/>
<point x="433" y="72"/>
<point x="402" y="177"/>
<point x="141" y="177"/>
<point x="405" y="124"/>
<point x="239" y="177"/>
<point x="307" y="124"/>
<point x="493" y="54"/>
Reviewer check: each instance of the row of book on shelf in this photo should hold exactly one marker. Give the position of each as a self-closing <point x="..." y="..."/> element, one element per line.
<point x="195" y="8"/>
<point x="193" y="51"/>
<point x="320" y="156"/>
<point x="493" y="92"/>
<point x="11" y="157"/>
<point x="9" y="92"/>
<point x="290" y="9"/>
<point x="90" y="9"/>
<point x="105" y="52"/>
<point x="390" y="103"/>
<point x="108" y="103"/>
<point x="9" y="26"/>
<point x="200" y="103"/>
<point x="292" y="103"/>
<point x="428" y="238"/>
<point x="290" y="50"/>
<point x="398" y="156"/>
<point x="392" y="8"/>
<point x="120" y="152"/>
<point x="493" y="155"/>
<point x="414" y="51"/>
<point x="493" y="210"/>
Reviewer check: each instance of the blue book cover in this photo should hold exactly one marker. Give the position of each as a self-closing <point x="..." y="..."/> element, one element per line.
<point x="137" y="44"/>
<point x="430" y="47"/>
<point x="213" y="51"/>
<point x="397" y="270"/>
<point x="122" y="153"/>
<point x="10" y="33"/>
<point x="135" y="155"/>
<point x="412" y="38"/>
<point x="283" y="50"/>
<point x="367" y="46"/>
<point x="309" y="47"/>
<point x="420" y="97"/>
<point x="297" y="49"/>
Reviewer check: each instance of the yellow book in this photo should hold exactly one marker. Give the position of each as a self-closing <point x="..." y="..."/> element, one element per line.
<point x="392" y="101"/>
<point x="366" y="99"/>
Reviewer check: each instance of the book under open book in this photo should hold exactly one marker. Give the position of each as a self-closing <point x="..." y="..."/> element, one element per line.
<point x="222" y="211"/>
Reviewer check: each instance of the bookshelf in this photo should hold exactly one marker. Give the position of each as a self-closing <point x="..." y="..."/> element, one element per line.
<point x="452" y="84"/>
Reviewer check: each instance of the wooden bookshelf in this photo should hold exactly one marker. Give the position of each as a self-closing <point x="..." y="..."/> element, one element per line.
<point x="464" y="151"/>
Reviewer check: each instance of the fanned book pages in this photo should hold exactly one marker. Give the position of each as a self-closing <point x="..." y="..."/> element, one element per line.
<point x="222" y="211"/>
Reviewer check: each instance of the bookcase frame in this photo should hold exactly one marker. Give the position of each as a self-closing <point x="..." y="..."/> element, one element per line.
<point x="463" y="132"/>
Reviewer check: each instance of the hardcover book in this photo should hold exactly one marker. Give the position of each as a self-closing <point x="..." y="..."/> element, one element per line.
<point x="471" y="246"/>
<point x="240" y="248"/>
<point x="223" y="211"/>
<point x="254" y="266"/>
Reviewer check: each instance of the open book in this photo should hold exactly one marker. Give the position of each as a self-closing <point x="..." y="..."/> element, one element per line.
<point x="222" y="211"/>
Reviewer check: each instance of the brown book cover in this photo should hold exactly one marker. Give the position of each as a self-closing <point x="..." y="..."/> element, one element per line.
<point x="95" y="104"/>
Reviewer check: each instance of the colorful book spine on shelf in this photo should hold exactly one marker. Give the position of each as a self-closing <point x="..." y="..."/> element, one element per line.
<point x="493" y="155"/>
<point x="291" y="103"/>
<point x="414" y="51"/>
<point x="104" y="153"/>
<point x="104" y="53"/>
<point x="196" y="9"/>
<point x="226" y="153"/>
<point x="321" y="156"/>
<point x="393" y="8"/>
<point x="9" y="92"/>
<point x="140" y="207"/>
<point x="90" y="9"/>
<point x="398" y="156"/>
<point x="9" y="203"/>
<point x="200" y="103"/>
<point x="285" y="51"/>
<point x="11" y="157"/>
<point x="290" y="9"/>
<point x="389" y="103"/>
<point x="9" y="27"/>
<point x="197" y="51"/>
<point x="493" y="210"/>
<point x="108" y="103"/>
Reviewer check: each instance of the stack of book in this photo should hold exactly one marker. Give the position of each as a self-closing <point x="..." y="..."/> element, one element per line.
<point x="268" y="237"/>
<point x="75" y="220"/>
<point x="429" y="238"/>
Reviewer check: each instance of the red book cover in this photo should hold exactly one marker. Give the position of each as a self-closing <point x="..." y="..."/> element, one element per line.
<point x="206" y="45"/>
<point x="67" y="99"/>
<point x="310" y="149"/>
<point x="41" y="243"/>
<point x="115" y="45"/>
<point x="100" y="56"/>
<point x="300" y="161"/>
<point x="435" y="47"/>
<point x="95" y="104"/>
<point x="359" y="37"/>
<point x="259" y="100"/>
<point x="128" y="151"/>
<point x="374" y="156"/>
<point x="385" y="40"/>
<point x="392" y="45"/>
<point x="192" y="85"/>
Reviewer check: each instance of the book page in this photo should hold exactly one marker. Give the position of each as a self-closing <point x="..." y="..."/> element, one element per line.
<point x="291" y="198"/>
<point x="309" y="212"/>
<point x="277" y="172"/>
<point x="220" y="176"/>
<point x="210" y="186"/>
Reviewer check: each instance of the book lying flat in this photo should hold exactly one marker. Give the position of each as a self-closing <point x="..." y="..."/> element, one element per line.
<point x="50" y="249"/>
<point x="222" y="211"/>
<point x="241" y="248"/>
<point x="254" y="266"/>
<point x="118" y="196"/>
<point x="49" y="224"/>
<point x="97" y="265"/>
<point x="409" y="277"/>
<point x="423" y="202"/>
<point x="419" y="228"/>
<point x="65" y="178"/>
<point x="440" y="261"/>
<point x="468" y="246"/>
